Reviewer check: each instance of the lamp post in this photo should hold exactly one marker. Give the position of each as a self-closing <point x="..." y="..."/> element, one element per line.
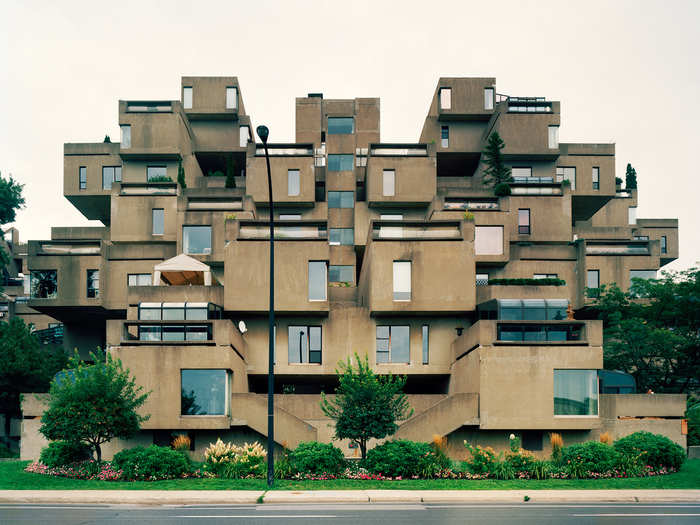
<point x="263" y="133"/>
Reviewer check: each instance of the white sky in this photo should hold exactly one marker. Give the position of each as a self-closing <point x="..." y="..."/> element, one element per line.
<point x="625" y="71"/>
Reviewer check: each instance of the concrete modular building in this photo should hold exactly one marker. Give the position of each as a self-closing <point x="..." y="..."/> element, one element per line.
<point x="389" y="250"/>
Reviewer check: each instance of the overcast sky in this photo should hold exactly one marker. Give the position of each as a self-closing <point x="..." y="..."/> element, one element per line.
<point x="625" y="72"/>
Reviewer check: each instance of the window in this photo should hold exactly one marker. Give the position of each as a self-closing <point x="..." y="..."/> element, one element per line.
<point x="243" y="136"/>
<point x="158" y="216"/>
<point x="642" y="274"/>
<point x="44" y="284"/>
<point x="341" y="199"/>
<point x="425" y="330"/>
<point x="110" y="174"/>
<point x="205" y="392"/>
<point x="340" y="125"/>
<point x="632" y="215"/>
<point x="567" y="174"/>
<point x="153" y="172"/>
<point x="341" y="237"/>
<point x="524" y="221"/>
<point x="545" y="276"/>
<point x="391" y="232"/>
<point x="445" y="136"/>
<point x="532" y="439"/>
<point x="482" y="279"/>
<point x="488" y="98"/>
<point x="125" y="136"/>
<point x="595" y="177"/>
<point x="304" y="344"/>
<point x="488" y="240"/>
<point x="317" y="280"/>
<point x="640" y="238"/>
<point x="521" y="171"/>
<point x="388" y="183"/>
<point x="538" y="332"/>
<point x="402" y="280"/>
<point x="320" y="191"/>
<point x="196" y="239"/>
<point x="575" y="393"/>
<point x="553" y="137"/>
<point x="293" y="183"/>
<point x="178" y="312"/>
<point x="445" y="96"/>
<point x="187" y="97"/>
<point x="93" y="283"/>
<point x="593" y="282"/>
<point x="340" y="162"/>
<point x="82" y="177"/>
<point x="231" y="97"/>
<point x="664" y="244"/>
<point x="290" y="217"/>
<point x="393" y="344"/>
<point x="341" y="274"/>
<point x="532" y="309"/>
<point x="138" y="279"/>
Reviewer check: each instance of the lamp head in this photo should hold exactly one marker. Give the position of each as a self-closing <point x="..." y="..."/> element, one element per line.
<point x="263" y="133"/>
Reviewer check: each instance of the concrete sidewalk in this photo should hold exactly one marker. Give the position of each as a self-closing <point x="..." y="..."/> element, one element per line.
<point x="199" y="497"/>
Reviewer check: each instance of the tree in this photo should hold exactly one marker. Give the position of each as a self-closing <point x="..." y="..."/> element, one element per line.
<point x="94" y="403"/>
<point x="496" y="172"/>
<point x="652" y="332"/>
<point x="630" y="178"/>
<point x="11" y="199"/>
<point x="366" y="405"/>
<point x="25" y="365"/>
<point x="230" y="172"/>
<point x="181" y="175"/>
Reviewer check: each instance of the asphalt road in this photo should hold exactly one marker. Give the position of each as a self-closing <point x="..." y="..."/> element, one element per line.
<point x="365" y="514"/>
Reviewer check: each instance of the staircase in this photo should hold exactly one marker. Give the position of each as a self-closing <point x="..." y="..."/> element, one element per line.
<point x="442" y="418"/>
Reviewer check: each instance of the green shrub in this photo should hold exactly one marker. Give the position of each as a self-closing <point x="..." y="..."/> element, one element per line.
<point x="540" y="469"/>
<point x="655" y="450"/>
<point x="549" y="281"/>
<point x="502" y="189"/>
<point x="313" y="457"/>
<point x="502" y="469"/>
<point x="160" y="178"/>
<point x="60" y="453"/>
<point x="406" y="459"/>
<point x="592" y="456"/>
<point x="693" y="416"/>
<point x="7" y="453"/>
<point x="283" y="467"/>
<point x="152" y="463"/>
<point x="483" y="459"/>
<point x="521" y="460"/>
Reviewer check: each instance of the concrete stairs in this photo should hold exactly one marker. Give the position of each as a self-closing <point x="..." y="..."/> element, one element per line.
<point x="442" y="418"/>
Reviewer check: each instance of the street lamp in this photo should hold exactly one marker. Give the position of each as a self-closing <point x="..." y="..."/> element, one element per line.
<point x="263" y="133"/>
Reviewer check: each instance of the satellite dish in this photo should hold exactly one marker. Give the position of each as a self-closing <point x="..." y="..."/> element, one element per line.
<point x="241" y="327"/>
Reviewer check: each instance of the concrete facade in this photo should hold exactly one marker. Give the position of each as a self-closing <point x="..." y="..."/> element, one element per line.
<point x="374" y="255"/>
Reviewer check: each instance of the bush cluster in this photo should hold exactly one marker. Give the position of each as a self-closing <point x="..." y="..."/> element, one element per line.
<point x="151" y="463"/>
<point x="592" y="456"/>
<point x="317" y="458"/>
<point x="654" y="450"/>
<point x="406" y="459"/>
<point x="60" y="453"/>
<point x="229" y="460"/>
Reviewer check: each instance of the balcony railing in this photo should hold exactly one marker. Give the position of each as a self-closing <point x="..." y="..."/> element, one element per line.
<point x="539" y="332"/>
<point x="406" y="230"/>
<point x="293" y="231"/>
<point x="399" y="150"/>
<point x="50" y="336"/>
<point x="148" y="188"/>
<point x="525" y="104"/>
<point x="149" y="106"/>
<point x="470" y="204"/>
<point x="286" y="150"/>
<point x="69" y="249"/>
<point x="628" y="248"/>
<point x="167" y="332"/>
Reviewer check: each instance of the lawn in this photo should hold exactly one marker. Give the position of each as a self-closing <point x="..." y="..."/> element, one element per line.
<point x="12" y="476"/>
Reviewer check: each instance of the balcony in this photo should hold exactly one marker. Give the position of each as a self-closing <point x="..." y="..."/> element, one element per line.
<point x="537" y="332"/>
<point x="58" y="247"/>
<point x="618" y="248"/>
<point x="398" y="150"/>
<point x="399" y="175"/>
<point x="288" y="230"/>
<point x="525" y="104"/>
<point x="535" y="186"/>
<point x="151" y="106"/>
<point x="464" y="204"/>
<point x="415" y="230"/>
<point x="148" y="188"/>
<point x="285" y="150"/>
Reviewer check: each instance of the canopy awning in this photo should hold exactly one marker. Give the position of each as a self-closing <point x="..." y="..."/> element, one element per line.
<point x="182" y="270"/>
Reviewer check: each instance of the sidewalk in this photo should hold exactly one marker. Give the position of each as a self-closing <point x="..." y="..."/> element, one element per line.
<point x="200" y="497"/>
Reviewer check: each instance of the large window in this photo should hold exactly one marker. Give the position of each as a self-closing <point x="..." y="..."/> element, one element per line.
<point x="593" y="282"/>
<point x="393" y="344"/>
<point x="524" y="221"/>
<point x="632" y="215"/>
<point x="341" y="237"/>
<point x="205" y="392"/>
<point x="305" y="344"/>
<point x="525" y="171"/>
<point x="488" y="98"/>
<point x="187" y="97"/>
<point x="231" y="97"/>
<point x="553" y="137"/>
<point x="93" y="283"/>
<point x="341" y="199"/>
<point x="391" y="232"/>
<point x="317" y="280"/>
<point x="125" y="131"/>
<point x="664" y="244"/>
<point x="158" y="220"/>
<point x="567" y="173"/>
<point x="293" y="183"/>
<point x="138" y="279"/>
<point x="402" y="280"/>
<point x="82" y="177"/>
<point x="44" y="284"/>
<point x="243" y="136"/>
<point x="178" y="311"/>
<point x="445" y="95"/>
<point x="388" y="183"/>
<point x="341" y="273"/>
<point x="595" y="177"/>
<point x="174" y="332"/>
<point x="156" y="172"/>
<point x="642" y="274"/>
<point x="196" y="239"/>
<point x="488" y="240"/>
<point x="575" y="392"/>
<point x="340" y="162"/>
<point x="539" y="332"/>
<point x="445" y="136"/>
<point x="340" y="125"/>
<point x="426" y="343"/>
<point x="110" y="175"/>
<point x="532" y="309"/>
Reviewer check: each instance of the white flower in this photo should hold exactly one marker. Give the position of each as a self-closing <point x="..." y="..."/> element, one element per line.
<point x="512" y="436"/>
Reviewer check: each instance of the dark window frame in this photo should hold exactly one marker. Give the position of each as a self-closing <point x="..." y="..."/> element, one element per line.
<point x="525" y="229"/>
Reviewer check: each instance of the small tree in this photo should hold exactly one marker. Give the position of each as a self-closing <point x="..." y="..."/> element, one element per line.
<point x="181" y="175"/>
<point x="11" y="199"/>
<point x="496" y="171"/>
<point x="630" y="178"/>
<point x="230" y="171"/>
<point x="366" y="405"/>
<point x="93" y="403"/>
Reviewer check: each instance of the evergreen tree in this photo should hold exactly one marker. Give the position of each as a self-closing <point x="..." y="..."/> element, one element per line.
<point x="181" y="175"/>
<point x="496" y="172"/>
<point x="630" y="178"/>
<point x="230" y="181"/>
